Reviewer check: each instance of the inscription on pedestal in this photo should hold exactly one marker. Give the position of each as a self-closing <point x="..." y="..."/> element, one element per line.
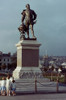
<point x="30" y="58"/>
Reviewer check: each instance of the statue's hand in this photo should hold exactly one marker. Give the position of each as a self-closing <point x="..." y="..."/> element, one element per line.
<point x="34" y="22"/>
<point x="22" y="24"/>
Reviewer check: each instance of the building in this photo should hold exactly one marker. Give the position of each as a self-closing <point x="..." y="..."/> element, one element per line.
<point x="5" y="59"/>
<point x="64" y="64"/>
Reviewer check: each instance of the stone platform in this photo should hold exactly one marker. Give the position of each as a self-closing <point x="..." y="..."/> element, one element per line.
<point x="27" y="59"/>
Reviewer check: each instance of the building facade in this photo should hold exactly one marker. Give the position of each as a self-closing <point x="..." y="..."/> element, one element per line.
<point x="5" y="59"/>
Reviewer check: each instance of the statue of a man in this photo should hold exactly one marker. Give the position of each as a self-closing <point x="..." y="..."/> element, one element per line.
<point x="29" y="19"/>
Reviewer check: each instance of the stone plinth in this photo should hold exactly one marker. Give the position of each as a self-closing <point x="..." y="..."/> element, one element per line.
<point x="27" y="58"/>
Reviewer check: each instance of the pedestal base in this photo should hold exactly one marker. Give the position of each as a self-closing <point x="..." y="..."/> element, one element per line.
<point x="26" y="72"/>
<point x="27" y="59"/>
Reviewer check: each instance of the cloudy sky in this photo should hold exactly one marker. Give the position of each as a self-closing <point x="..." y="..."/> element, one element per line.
<point x="50" y="28"/>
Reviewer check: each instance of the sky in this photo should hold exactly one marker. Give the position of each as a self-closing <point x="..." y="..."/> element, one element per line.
<point x="50" y="28"/>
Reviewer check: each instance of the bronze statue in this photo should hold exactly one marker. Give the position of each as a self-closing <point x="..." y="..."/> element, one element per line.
<point x="28" y="20"/>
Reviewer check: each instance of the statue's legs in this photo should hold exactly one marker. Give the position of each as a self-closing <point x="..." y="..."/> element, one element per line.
<point x="27" y="26"/>
<point x="27" y="33"/>
<point x="32" y="31"/>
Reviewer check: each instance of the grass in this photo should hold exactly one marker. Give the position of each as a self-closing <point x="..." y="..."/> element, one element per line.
<point x="54" y="78"/>
<point x="61" y="79"/>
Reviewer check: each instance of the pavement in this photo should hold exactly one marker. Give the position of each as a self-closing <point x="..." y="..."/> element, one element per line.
<point x="51" y="96"/>
<point x="46" y="90"/>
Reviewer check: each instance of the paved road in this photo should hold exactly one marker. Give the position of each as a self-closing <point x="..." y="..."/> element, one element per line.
<point x="59" y="96"/>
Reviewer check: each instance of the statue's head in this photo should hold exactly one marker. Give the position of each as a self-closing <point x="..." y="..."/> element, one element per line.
<point x="28" y="6"/>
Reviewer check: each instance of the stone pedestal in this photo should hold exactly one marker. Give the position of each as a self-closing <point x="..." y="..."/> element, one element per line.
<point x="27" y="58"/>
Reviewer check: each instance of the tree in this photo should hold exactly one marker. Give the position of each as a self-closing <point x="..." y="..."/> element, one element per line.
<point x="3" y="66"/>
<point x="45" y="69"/>
<point x="52" y="68"/>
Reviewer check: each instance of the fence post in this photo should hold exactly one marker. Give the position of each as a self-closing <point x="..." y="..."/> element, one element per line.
<point x="51" y="76"/>
<point x="57" y="85"/>
<point x="35" y="84"/>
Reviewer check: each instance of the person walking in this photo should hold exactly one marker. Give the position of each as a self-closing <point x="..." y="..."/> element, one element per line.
<point x="8" y="86"/>
<point x="3" y="86"/>
<point x="13" y="87"/>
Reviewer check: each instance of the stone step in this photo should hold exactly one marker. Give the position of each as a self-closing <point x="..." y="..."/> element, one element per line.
<point x="29" y="84"/>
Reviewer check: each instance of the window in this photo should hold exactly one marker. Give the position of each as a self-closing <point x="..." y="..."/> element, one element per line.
<point x="4" y="59"/>
<point x="8" y="59"/>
